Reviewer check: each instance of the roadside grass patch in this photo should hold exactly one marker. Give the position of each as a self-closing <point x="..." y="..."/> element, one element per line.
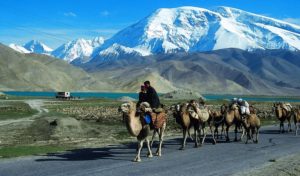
<point x="17" y="151"/>
<point x="15" y="110"/>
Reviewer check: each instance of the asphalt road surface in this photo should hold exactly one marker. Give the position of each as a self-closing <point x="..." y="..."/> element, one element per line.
<point x="220" y="159"/>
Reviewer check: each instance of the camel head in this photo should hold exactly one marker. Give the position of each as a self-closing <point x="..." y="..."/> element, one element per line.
<point x="234" y="107"/>
<point x="223" y="109"/>
<point x="127" y="107"/>
<point x="278" y="109"/>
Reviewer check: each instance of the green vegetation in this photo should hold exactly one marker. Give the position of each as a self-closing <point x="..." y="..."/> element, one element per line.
<point x="16" y="151"/>
<point x="15" y="110"/>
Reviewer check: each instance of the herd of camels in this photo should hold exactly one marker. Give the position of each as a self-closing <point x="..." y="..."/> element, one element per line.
<point x="191" y="115"/>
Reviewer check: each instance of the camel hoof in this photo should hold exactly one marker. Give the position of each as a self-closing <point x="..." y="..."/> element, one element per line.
<point x="214" y="142"/>
<point x="137" y="160"/>
<point x="149" y="155"/>
<point x="181" y="148"/>
<point x="256" y="142"/>
<point x="158" y="154"/>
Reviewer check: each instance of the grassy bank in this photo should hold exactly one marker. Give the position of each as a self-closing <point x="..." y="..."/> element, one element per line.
<point x="16" y="151"/>
<point x="15" y="110"/>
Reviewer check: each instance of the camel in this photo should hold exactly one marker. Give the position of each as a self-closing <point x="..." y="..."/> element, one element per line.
<point x="216" y="120"/>
<point x="251" y="124"/>
<point x="177" y="111"/>
<point x="283" y="112"/>
<point x="232" y="116"/>
<point x="182" y="117"/>
<point x="296" y="114"/>
<point x="139" y="129"/>
<point x="199" y="116"/>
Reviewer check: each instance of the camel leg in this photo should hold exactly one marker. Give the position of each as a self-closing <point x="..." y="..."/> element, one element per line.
<point x="153" y="136"/>
<point x="149" y="155"/>
<point x="216" y="132"/>
<point x="222" y="130"/>
<point x="190" y="136"/>
<point x="161" y="138"/>
<point x="235" y="132"/>
<point x="214" y="139"/>
<point x="289" y="126"/>
<point x="204" y="136"/>
<point x="296" y="128"/>
<point x="184" y="131"/>
<point x="140" y="146"/>
<point x="227" y="135"/>
<point x="256" y="135"/>
<point x="247" y="135"/>
<point x="244" y="132"/>
<point x="196" y="136"/>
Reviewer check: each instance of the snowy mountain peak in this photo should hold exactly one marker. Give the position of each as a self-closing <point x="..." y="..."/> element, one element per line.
<point x="77" y="49"/>
<point x="18" y="48"/>
<point x="194" y="29"/>
<point x="35" y="46"/>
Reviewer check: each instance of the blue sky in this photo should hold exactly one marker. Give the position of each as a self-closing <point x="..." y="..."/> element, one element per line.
<point x="55" y="22"/>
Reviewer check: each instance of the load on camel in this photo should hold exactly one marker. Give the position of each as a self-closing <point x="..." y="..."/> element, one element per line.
<point x="283" y="112"/>
<point x="139" y="127"/>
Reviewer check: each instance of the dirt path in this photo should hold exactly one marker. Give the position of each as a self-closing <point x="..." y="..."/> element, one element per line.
<point x="34" y="104"/>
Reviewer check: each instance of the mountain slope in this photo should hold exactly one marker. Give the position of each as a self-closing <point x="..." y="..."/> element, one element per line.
<point x="232" y="71"/>
<point x="18" y="48"/>
<point x="34" y="72"/>
<point x="193" y="29"/>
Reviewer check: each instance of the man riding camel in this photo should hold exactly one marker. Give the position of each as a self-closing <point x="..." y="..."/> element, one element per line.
<point x="152" y="97"/>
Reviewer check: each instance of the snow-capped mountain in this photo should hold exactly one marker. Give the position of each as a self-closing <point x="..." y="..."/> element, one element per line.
<point x="38" y="47"/>
<point x="18" y="48"/>
<point x="77" y="49"/>
<point x="190" y="29"/>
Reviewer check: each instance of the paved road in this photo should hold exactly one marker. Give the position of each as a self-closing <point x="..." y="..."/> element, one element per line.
<point x="221" y="159"/>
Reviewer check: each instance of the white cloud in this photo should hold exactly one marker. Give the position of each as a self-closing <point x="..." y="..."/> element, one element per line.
<point x="292" y="20"/>
<point x="105" y="13"/>
<point x="70" y="14"/>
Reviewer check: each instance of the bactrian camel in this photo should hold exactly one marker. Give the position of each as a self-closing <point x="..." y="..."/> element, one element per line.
<point x="232" y="116"/>
<point x="251" y="124"/>
<point x="217" y="119"/>
<point x="199" y="117"/>
<point x="182" y="116"/>
<point x="283" y="112"/>
<point x="139" y="129"/>
<point x="296" y="114"/>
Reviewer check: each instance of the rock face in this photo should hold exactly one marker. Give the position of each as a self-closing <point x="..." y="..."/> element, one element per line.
<point x="181" y="95"/>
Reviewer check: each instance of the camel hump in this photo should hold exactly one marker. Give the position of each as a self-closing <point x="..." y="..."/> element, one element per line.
<point x="287" y="106"/>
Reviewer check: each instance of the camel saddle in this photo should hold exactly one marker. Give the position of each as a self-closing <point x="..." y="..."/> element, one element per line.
<point x="158" y="119"/>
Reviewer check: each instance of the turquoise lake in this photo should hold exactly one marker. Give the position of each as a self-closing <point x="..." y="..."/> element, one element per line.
<point x="135" y="95"/>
